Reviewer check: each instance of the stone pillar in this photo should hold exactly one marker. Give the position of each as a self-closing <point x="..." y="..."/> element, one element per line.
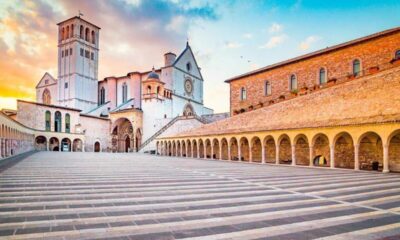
<point x="229" y="152"/>
<point x="332" y="156"/>
<point x="262" y="152"/>
<point x="239" y="153"/>
<point x="277" y="154"/>
<point x="386" y="159"/>
<point x="293" y="155"/>
<point x="1" y="148"/>
<point x="186" y="150"/>
<point x="83" y="146"/>
<point x="205" y="151"/>
<point x="48" y="145"/>
<point x="356" y="157"/>
<point x="198" y="150"/>
<point x="220" y="151"/>
<point x="311" y="155"/>
<point x="212" y="151"/>
<point x="250" y="153"/>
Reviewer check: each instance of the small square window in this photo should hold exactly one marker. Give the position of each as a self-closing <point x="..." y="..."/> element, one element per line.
<point x="86" y="54"/>
<point x="82" y="52"/>
<point x="46" y="82"/>
<point x="66" y="85"/>
<point x="92" y="56"/>
<point x="66" y="52"/>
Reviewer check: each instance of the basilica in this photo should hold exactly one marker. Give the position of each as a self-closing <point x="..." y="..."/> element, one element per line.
<point x="76" y="111"/>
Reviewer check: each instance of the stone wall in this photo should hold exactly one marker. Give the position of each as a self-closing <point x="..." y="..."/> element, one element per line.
<point x="338" y="65"/>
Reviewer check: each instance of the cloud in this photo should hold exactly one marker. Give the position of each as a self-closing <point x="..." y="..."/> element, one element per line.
<point x="274" y="41"/>
<point x="275" y="28"/>
<point x="177" y="24"/>
<point x="306" y="44"/>
<point x="248" y="35"/>
<point x="233" y="45"/>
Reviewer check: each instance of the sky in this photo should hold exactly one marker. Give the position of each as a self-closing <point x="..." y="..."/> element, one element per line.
<point x="228" y="37"/>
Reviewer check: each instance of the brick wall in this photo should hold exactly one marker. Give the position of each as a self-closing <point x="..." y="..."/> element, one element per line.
<point x="338" y="64"/>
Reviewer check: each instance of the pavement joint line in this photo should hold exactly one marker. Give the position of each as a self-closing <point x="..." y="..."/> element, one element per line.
<point x="297" y="193"/>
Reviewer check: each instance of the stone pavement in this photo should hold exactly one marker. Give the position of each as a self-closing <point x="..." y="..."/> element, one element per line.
<point x="132" y="196"/>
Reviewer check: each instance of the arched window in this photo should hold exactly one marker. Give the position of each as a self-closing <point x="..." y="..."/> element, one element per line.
<point x="397" y="55"/>
<point x="124" y="92"/>
<point x="188" y="110"/>
<point x="158" y="90"/>
<point x="243" y="94"/>
<point x="148" y="89"/>
<point x="72" y="30"/>
<point x="188" y="66"/>
<point x="87" y="34"/>
<point x="356" y="67"/>
<point x="57" y="122"/>
<point x="322" y="76"/>
<point x="81" y="32"/>
<point x="293" y="82"/>
<point x="48" y="121"/>
<point x="102" y="96"/>
<point x="67" y="123"/>
<point x="93" y="38"/>
<point x="46" y="97"/>
<point x="268" y="89"/>
<point x="67" y="33"/>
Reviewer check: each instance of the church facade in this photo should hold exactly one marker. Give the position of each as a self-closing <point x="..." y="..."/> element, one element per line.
<point x="76" y="111"/>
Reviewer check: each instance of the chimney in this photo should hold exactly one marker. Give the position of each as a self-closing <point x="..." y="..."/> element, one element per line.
<point x="169" y="59"/>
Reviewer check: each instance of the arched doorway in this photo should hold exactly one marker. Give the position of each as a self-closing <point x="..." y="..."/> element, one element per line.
<point x="195" y="149"/>
<point x="66" y="145"/>
<point x="127" y="143"/>
<point x="54" y="144"/>
<point x="285" y="150"/>
<point x="321" y="151"/>
<point x="394" y="152"/>
<point x="188" y="110"/>
<point x="270" y="149"/>
<point x="244" y="149"/>
<point x="215" y="143"/>
<point x="234" y="149"/>
<point x="201" y="149"/>
<point x="302" y="150"/>
<point x="122" y="128"/>
<point x="57" y="122"/>
<point x="97" y="147"/>
<point x="370" y="152"/>
<point x="224" y="149"/>
<point x="344" y="151"/>
<point x="207" y="142"/>
<point x="77" y="145"/>
<point x="41" y="143"/>
<point x="256" y="149"/>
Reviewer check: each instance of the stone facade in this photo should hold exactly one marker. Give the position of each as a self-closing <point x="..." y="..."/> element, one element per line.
<point x="374" y="52"/>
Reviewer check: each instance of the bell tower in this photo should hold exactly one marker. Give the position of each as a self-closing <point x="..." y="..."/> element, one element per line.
<point x="78" y="58"/>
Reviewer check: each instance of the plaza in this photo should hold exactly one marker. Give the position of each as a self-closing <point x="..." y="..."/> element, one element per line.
<point x="61" y="195"/>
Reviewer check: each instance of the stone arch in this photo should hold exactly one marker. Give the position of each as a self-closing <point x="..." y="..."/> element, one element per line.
<point x="344" y="150"/>
<point x="188" y="110"/>
<point x="87" y="34"/>
<point x="302" y="150"/>
<point x="244" y="149"/>
<point x="270" y="149"/>
<point x="54" y="144"/>
<point x="321" y="150"/>
<point x="201" y="148"/>
<point x="215" y="147"/>
<point x="189" y="148"/>
<point x="256" y="149"/>
<point x="285" y="149"/>
<point x="122" y="131"/>
<point x="77" y="145"/>
<point x="207" y="143"/>
<point x="224" y="149"/>
<point x="370" y="151"/>
<point x="394" y="151"/>
<point x="41" y="143"/>
<point x="66" y="145"/>
<point x="184" y="149"/>
<point x="46" y="97"/>
<point x="234" y="149"/>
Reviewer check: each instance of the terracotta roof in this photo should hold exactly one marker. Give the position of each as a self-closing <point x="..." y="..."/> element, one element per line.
<point x="51" y="106"/>
<point x="367" y="100"/>
<point x="317" y="53"/>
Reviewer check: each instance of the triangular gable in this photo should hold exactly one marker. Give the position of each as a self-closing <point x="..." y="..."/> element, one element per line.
<point x="42" y="82"/>
<point x="184" y="57"/>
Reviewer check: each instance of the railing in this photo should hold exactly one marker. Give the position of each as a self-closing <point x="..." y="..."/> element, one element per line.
<point x="122" y="104"/>
<point x="158" y="133"/>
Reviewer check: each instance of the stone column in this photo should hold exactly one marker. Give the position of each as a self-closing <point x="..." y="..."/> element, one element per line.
<point x="220" y="151"/>
<point x="356" y="157"/>
<point x="239" y="153"/>
<point x="212" y="151"/>
<point x="229" y="152"/>
<point x="83" y="146"/>
<point x="198" y="150"/>
<point x="311" y="155"/>
<point x="386" y="159"/>
<point x="293" y="155"/>
<point x="186" y="150"/>
<point x="262" y="152"/>
<point x="332" y="156"/>
<point x="277" y="154"/>
<point x="1" y="148"/>
<point x="205" y="151"/>
<point x="48" y="145"/>
<point x="250" y="153"/>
